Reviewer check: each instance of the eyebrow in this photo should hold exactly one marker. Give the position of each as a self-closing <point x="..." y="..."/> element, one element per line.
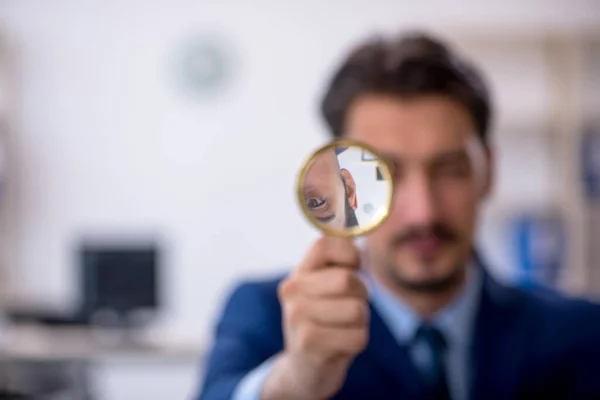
<point x="327" y="219"/>
<point x="450" y="155"/>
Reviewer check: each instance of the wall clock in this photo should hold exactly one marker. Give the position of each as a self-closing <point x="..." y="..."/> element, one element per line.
<point x="205" y="65"/>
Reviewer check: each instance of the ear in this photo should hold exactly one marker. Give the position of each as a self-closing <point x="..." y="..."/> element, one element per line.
<point x="350" y="188"/>
<point x="489" y="174"/>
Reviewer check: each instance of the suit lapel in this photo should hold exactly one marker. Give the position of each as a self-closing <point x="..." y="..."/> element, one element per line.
<point x="392" y="358"/>
<point x="500" y="338"/>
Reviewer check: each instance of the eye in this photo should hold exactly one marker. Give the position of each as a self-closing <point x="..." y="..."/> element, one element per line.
<point x="313" y="203"/>
<point x="455" y="170"/>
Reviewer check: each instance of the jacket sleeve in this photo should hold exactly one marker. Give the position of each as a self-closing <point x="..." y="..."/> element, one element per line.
<point x="243" y="343"/>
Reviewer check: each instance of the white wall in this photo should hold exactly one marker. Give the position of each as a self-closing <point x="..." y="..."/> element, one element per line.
<point x="104" y="143"/>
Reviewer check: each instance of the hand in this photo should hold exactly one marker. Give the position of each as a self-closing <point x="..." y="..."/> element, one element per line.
<point x="325" y="323"/>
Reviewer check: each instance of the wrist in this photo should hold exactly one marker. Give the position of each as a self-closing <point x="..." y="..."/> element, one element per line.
<point x="283" y="381"/>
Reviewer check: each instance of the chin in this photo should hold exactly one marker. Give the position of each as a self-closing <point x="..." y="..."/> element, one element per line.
<point x="428" y="282"/>
<point x="423" y="277"/>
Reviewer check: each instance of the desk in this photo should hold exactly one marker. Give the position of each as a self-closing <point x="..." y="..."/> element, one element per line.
<point x="95" y="362"/>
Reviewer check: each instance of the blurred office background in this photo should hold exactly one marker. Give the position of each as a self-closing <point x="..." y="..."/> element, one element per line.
<point x="150" y="150"/>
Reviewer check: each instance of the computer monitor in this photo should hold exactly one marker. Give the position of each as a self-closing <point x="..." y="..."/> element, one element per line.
<point x="121" y="278"/>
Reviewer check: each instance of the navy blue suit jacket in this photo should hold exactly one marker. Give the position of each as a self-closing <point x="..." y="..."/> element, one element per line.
<point x="526" y="346"/>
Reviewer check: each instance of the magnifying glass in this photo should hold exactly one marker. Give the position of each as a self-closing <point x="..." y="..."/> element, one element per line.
<point x="345" y="188"/>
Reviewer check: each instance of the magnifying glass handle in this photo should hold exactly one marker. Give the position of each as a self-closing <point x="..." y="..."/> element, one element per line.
<point x="361" y="243"/>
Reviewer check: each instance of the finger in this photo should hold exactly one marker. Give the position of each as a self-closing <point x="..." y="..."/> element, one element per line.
<point x="332" y="282"/>
<point x="341" y="312"/>
<point x="329" y="251"/>
<point x="331" y="342"/>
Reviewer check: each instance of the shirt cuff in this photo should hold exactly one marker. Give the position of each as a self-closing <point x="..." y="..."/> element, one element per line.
<point x="251" y="385"/>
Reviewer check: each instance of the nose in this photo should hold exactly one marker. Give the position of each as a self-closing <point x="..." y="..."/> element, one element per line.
<point x="414" y="200"/>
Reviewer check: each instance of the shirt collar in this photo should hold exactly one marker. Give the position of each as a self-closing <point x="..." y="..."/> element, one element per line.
<point x="455" y="320"/>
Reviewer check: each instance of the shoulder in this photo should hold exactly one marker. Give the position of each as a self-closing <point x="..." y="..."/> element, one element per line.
<point x="561" y="318"/>
<point x="552" y="303"/>
<point x="252" y="299"/>
<point x="544" y="301"/>
<point x="255" y="289"/>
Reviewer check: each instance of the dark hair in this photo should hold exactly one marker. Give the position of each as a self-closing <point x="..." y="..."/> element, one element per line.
<point x="411" y="65"/>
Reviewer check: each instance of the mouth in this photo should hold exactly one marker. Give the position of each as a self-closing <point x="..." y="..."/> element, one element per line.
<point x="327" y="219"/>
<point x="426" y="246"/>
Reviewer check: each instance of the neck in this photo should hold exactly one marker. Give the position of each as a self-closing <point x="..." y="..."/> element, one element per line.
<point x="425" y="303"/>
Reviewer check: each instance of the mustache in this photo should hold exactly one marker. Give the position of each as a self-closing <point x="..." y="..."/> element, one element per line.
<point x="439" y="231"/>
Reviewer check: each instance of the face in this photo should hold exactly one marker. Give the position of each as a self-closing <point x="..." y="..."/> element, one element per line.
<point x="329" y="191"/>
<point x="441" y="172"/>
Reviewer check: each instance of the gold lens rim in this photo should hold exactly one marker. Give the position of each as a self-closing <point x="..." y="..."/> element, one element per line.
<point x="386" y="173"/>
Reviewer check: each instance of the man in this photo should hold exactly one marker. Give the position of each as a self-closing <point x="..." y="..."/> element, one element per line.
<point x="417" y="316"/>
<point x="330" y="191"/>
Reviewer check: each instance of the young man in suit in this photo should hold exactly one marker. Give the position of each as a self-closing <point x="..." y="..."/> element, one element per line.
<point x="417" y="316"/>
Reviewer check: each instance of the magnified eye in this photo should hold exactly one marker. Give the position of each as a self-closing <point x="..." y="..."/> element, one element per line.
<point x="313" y="203"/>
